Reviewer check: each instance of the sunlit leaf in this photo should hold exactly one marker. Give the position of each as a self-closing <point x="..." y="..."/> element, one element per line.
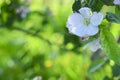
<point x="109" y="45"/>
<point x="117" y="11"/>
<point x="95" y="65"/>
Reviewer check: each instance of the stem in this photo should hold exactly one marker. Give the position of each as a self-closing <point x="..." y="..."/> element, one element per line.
<point x="30" y="33"/>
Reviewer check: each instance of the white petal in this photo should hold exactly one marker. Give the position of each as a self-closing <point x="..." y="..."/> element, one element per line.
<point x="74" y="24"/>
<point x="82" y="31"/>
<point x="96" y="18"/>
<point x="92" y="30"/>
<point x="117" y="2"/>
<point x="23" y="15"/>
<point x="75" y="19"/>
<point x="69" y="26"/>
<point x="94" y="45"/>
<point x="85" y="12"/>
<point x="79" y="31"/>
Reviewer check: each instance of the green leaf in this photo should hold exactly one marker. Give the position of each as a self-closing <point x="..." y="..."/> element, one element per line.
<point x="76" y="5"/>
<point x="68" y="38"/>
<point x="96" y="64"/>
<point x="117" y="11"/>
<point x="112" y="17"/>
<point x="96" y="5"/>
<point x="110" y="45"/>
<point x="108" y="2"/>
<point x="116" y="70"/>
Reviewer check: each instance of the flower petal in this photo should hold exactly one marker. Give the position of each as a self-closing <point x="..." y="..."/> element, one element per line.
<point x="79" y="31"/>
<point x="92" y="30"/>
<point x="96" y="18"/>
<point x="85" y="12"/>
<point x="94" y="45"/>
<point x="117" y="2"/>
<point x="74" y="23"/>
<point x="75" y="19"/>
<point x="83" y="30"/>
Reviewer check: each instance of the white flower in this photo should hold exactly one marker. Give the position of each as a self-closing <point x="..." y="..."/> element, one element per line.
<point x="94" y="45"/>
<point x="38" y="78"/>
<point x="23" y="11"/>
<point x="117" y="2"/>
<point x="27" y="1"/>
<point x="84" y="23"/>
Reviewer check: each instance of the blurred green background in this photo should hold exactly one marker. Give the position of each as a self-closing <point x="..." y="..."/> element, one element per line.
<point x="34" y="42"/>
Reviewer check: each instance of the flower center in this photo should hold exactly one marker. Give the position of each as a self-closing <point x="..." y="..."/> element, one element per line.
<point x="87" y="21"/>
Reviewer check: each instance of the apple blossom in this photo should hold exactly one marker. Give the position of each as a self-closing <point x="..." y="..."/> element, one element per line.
<point x="84" y="23"/>
<point x="116" y="2"/>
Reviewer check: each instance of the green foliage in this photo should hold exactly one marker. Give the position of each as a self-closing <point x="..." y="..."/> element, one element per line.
<point x="116" y="70"/>
<point x="76" y="5"/>
<point x="117" y="11"/>
<point x="40" y="45"/>
<point x="108" y="2"/>
<point x="95" y="65"/>
<point x="96" y="5"/>
<point x="112" y="17"/>
<point x="109" y="45"/>
<point x="8" y="12"/>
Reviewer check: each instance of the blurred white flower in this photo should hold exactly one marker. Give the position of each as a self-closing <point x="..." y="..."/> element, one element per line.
<point x="38" y="78"/>
<point x="94" y="45"/>
<point x="28" y="1"/>
<point x="117" y="2"/>
<point x="84" y="23"/>
<point x="23" y="11"/>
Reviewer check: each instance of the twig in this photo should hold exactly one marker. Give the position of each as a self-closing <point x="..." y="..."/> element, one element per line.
<point x="28" y="32"/>
<point x="33" y="34"/>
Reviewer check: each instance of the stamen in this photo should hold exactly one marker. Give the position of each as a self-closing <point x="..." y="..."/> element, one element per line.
<point x="86" y="21"/>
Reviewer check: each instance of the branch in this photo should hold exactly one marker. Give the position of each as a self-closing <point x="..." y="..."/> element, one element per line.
<point x="32" y="34"/>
